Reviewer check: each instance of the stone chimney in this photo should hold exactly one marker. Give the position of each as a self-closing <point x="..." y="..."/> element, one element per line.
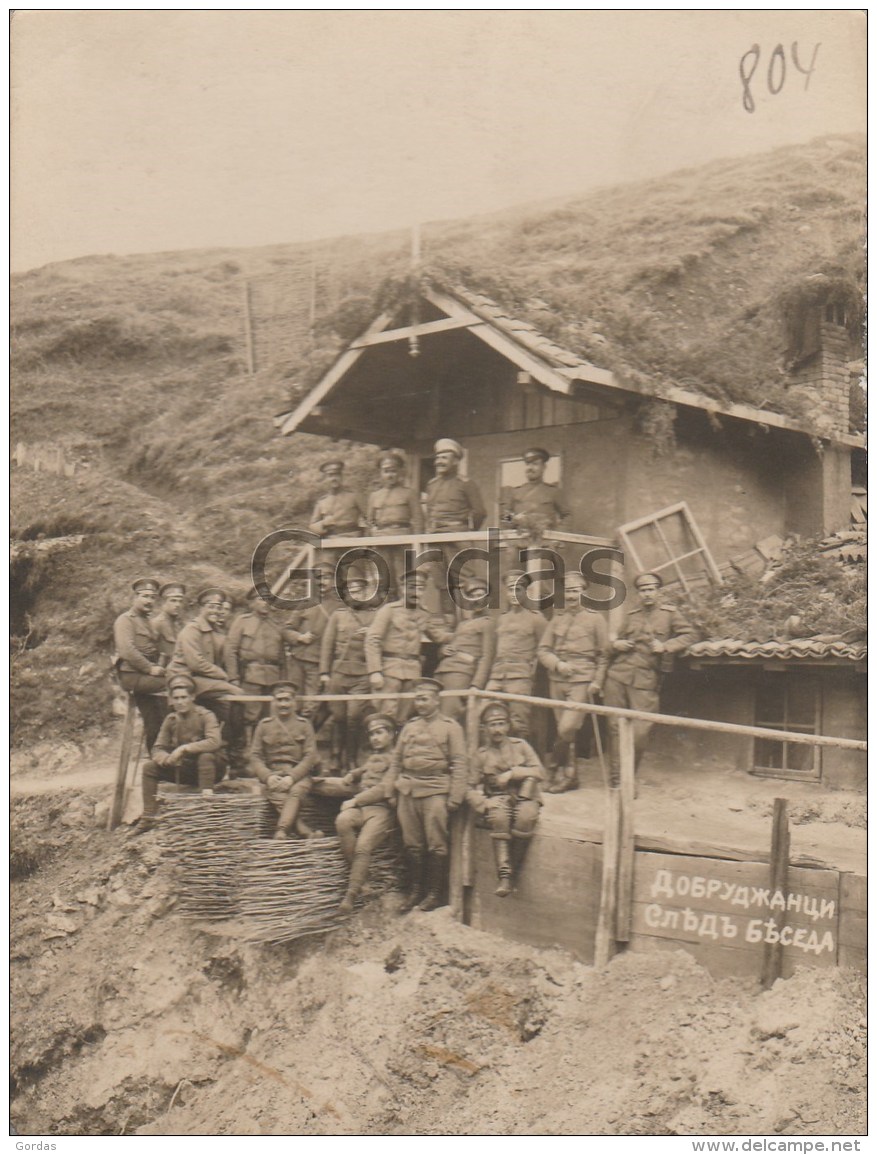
<point x="819" y="378"/>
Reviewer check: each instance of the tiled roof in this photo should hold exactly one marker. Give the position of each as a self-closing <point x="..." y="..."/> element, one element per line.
<point x="850" y="546"/>
<point x="791" y="649"/>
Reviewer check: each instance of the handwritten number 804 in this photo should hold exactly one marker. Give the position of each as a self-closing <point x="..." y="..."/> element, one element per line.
<point x="776" y="70"/>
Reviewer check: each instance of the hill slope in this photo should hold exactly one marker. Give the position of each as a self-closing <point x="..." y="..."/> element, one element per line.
<point x="136" y="364"/>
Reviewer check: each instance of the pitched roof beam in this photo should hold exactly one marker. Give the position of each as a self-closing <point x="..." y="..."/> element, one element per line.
<point x="421" y="330"/>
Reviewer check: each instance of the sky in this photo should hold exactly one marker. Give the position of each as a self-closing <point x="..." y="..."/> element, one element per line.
<point x="148" y="131"/>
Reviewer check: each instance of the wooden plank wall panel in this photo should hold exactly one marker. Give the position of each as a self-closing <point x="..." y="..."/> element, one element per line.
<point x="555" y="899"/>
<point x="853" y="929"/>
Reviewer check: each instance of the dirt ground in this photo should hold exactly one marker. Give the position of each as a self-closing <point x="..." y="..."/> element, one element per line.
<point x="126" y="1019"/>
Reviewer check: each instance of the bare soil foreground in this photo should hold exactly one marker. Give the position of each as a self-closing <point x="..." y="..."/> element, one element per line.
<point x="126" y="1019"/>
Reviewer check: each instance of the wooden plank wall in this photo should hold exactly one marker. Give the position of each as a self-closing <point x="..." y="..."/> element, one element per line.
<point x="706" y="906"/>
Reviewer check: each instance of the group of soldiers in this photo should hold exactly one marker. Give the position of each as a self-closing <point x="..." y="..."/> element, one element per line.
<point x="239" y="688"/>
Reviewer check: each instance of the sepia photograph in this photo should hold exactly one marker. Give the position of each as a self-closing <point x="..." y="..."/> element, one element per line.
<point x="438" y="544"/>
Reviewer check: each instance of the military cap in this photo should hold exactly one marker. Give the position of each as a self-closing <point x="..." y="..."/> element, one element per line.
<point x="181" y="682"/>
<point x="284" y="685"/>
<point x="495" y="709"/>
<point x="428" y="684"/>
<point x="144" y="584"/>
<point x="252" y="594"/>
<point x="573" y="577"/>
<point x="448" y="445"/>
<point x="393" y="456"/>
<point x="380" y="720"/>
<point x="324" y="567"/>
<point x="470" y="585"/>
<point x="416" y="574"/>
<point x="172" y="588"/>
<point x="515" y="575"/>
<point x="640" y="578"/>
<point x="336" y="465"/>
<point x="211" y="593"/>
<point x="536" y="454"/>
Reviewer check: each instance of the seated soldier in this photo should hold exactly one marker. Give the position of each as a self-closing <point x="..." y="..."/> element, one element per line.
<point x="367" y="818"/>
<point x="504" y="790"/>
<point x="282" y="754"/>
<point x="187" y="751"/>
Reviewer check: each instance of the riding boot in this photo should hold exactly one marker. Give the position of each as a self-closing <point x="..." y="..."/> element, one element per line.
<point x="561" y="757"/>
<point x="503" y="865"/>
<point x="569" y="780"/>
<point x="416" y="887"/>
<point x="520" y="846"/>
<point x="358" y="876"/>
<point x="437" y="870"/>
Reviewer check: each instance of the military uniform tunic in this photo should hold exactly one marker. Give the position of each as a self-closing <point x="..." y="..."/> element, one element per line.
<point x="453" y="503"/>
<point x="287" y="748"/>
<point x="393" y="640"/>
<point x="338" y="513"/>
<point x="254" y="650"/>
<point x="166" y="630"/>
<point x="430" y="758"/>
<point x="542" y="504"/>
<point x="137" y="651"/>
<point x="394" y="509"/>
<point x="579" y="638"/>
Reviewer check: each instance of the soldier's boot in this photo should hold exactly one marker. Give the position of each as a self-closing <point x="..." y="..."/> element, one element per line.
<point x="288" y="816"/>
<point x="503" y="864"/>
<point x="520" y="846"/>
<point x="347" y="839"/>
<point x="561" y="758"/>
<point x="357" y="880"/>
<point x="437" y="872"/>
<point x="570" y="778"/>
<point x="416" y="886"/>
<point x="351" y="745"/>
<point x="337" y="747"/>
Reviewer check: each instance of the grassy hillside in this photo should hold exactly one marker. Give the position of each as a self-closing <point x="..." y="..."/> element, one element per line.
<point x="136" y="365"/>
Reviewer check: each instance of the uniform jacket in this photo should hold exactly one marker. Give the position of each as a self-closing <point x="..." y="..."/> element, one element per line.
<point x="580" y="638"/>
<point x="430" y="758"/>
<point x="371" y="781"/>
<point x="395" y="509"/>
<point x="166" y="630"/>
<point x="453" y="503"/>
<point x="342" y="649"/>
<point x="199" y="651"/>
<point x="511" y="754"/>
<point x="543" y="504"/>
<point x="282" y="748"/>
<point x="471" y="650"/>
<point x="393" y="640"/>
<point x="641" y="668"/>
<point x="254" y="650"/>
<point x="338" y="513"/>
<point x="314" y="620"/>
<point x="518" y="634"/>
<point x="198" y="729"/>
<point x="135" y="642"/>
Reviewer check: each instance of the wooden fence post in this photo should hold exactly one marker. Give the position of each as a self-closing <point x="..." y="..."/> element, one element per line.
<point x="248" y="330"/>
<point x="115" y="815"/>
<point x="606" y="916"/>
<point x="462" y="875"/>
<point x="627" y="760"/>
<point x="772" y="963"/>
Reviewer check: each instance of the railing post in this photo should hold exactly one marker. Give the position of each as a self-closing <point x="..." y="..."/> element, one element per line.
<point x="627" y="759"/>
<point x="115" y="815"/>
<point x="772" y="962"/>
<point x="462" y="875"/>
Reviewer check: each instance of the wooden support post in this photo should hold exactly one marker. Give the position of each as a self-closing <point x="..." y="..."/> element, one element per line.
<point x="772" y="963"/>
<point x="604" y="944"/>
<point x="115" y="815"/>
<point x="462" y="825"/>
<point x="626" y="833"/>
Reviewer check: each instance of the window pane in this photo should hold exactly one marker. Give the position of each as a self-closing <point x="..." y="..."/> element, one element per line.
<point x="801" y="703"/>
<point x="799" y="757"/>
<point x="770" y="699"/>
<point x="768" y="754"/>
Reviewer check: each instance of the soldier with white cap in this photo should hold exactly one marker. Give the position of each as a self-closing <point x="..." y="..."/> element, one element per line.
<point x="452" y="502"/>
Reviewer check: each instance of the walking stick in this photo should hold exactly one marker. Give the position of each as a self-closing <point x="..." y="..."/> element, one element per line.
<point x="595" y="721"/>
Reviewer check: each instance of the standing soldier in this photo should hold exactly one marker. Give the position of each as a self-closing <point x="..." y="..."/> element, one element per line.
<point x="138" y="658"/>
<point x="428" y="771"/>
<point x="339" y="511"/>
<point x="199" y="652"/>
<point x="366" y="819"/>
<point x="393" y="641"/>
<point x="306" y="635"/>
<point x="519" y="631"/>
<point x="343" y="670"/>
<point x="255" y="655"/>
<point x="282" y="754"/>
<point x="168" y="622"/>
<point x="452" y="502"/>
<point x="643" y="651"/>
<point x="574" y="650"/>
<point x="504" y="790"/>
<point x="392" y="510"/>
<point x="468" y="656"/>
<point x="537" y="505"/>
<point x="188" y="749"/>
